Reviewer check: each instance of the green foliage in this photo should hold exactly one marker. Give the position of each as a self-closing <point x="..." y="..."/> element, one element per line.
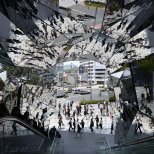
<point x="94" y="4"/>
<point x="65" y="96"/>
<point x="83" y="102"/>
<point x="112" y="99"/>
<point x="117" y="5"/>
<point x="68" y="48"/>
<point x="68" y="91"/>
<point x="34" y="80"/>
<point x="147" y="65"/>
<point x="103" y="90"/>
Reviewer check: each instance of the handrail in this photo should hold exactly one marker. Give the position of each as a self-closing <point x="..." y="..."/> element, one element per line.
<point x="23" y="123"/>
<point x="132" y="143"/>
<point x="53" y="143"/>
<point x="40" y="145"/>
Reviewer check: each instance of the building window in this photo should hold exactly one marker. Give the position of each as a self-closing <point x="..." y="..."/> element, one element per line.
<point x="99" y="69"/>
<point x="99" y="73"/>
<point x="99" y="77"/>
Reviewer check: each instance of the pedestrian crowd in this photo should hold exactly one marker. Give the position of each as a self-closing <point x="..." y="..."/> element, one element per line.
<point x="78" y="115"/>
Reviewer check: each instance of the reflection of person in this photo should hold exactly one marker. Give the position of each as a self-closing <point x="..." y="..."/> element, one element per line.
<point x="100" y="93"/>
<point x="143" y="100"/>
<point x="120" y="100"/>
<point x="112" y="125"/>
<point x="14" y="128"/>
<point x="3" y="124"/>
<point x="138" y="126"/>
<point x="148" y="110"/>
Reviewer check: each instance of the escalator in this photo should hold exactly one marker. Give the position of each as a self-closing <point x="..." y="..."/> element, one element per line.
<point x="28" y="140"/>
<point x="25" y="124"/>
<point x="143" y="146"/>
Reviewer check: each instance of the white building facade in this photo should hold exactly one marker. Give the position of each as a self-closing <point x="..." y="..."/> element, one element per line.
<point x="60" y="74"/>
<point x="96" y="72"/>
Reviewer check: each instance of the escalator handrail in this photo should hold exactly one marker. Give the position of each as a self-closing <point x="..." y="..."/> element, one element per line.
<point x="131" y="143"/>
<point x="23" y="123"/>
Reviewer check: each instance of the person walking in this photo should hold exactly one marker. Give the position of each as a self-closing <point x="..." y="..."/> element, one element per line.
<point x="80" y="107"/>
<point x="138" y="127"/>
<point x="78" y="130"/>
<point x="82" y="124"/>
<point x="91" y="112"/>
<point x="85" y="113"/>
<point x="91" y="125"/>
<point x="59" y="115"/>
<point x="98" y="104"/>
<point x="59" y="106"/>
<point x="70" y="124"/>
<point x="59" y="123"/>
<point x="71" y="105"/>
<point x="101" y="110"/>
<point x="64" y="108"/>
<point x="74" y="112"/>
<point x="97" y="121"/>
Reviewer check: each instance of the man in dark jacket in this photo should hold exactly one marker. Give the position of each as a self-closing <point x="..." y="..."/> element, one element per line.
<point x="91" y="125"/>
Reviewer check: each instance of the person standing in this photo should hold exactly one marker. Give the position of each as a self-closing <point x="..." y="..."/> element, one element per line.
<point x="74" y="125"/>
<point x="82" y="124"/>
<point x="52" y="132"/>
<point x="112" y="126"/>
<point x="101" y="123"/>
<point x="91" y="125"/>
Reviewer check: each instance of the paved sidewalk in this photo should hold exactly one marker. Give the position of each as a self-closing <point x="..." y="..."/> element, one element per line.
<point x="86" y="144"/>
